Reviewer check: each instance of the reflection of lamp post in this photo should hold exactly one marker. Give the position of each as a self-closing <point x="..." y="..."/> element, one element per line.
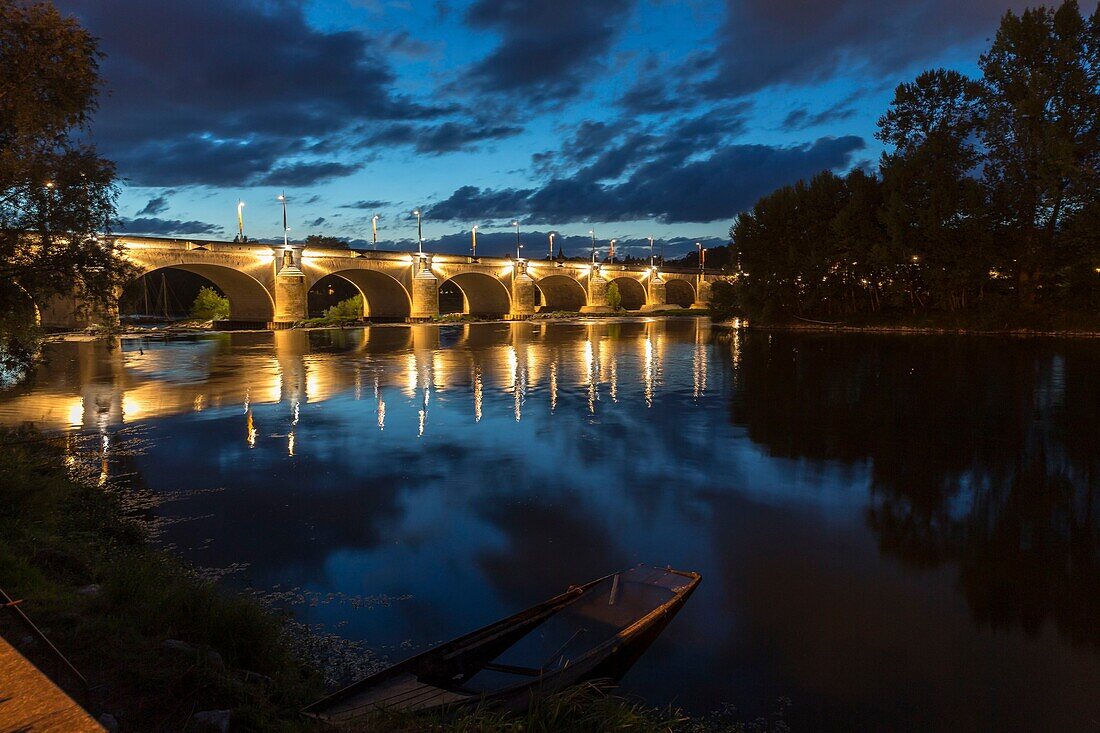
<point x="374" y="230"/>
<point x="419" y="233"/>
<point x="592" y="233"/>
<point x="550" y="256"/>
<point x="473" y="240"/>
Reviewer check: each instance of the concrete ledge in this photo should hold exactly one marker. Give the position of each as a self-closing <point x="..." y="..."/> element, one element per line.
<point x="660" y="307"/>
<point x="597" y="309"/>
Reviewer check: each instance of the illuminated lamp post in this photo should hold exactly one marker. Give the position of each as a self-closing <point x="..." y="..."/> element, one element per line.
<point x="374" y="231"/>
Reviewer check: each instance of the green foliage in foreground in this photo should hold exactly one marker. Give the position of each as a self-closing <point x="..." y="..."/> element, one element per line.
<point x="210" y="305"/>
<point x="584" y="709"/>
<point x="60" y="532"/>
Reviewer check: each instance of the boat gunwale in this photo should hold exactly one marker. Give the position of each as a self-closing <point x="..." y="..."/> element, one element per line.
<point x="467" y="641"/>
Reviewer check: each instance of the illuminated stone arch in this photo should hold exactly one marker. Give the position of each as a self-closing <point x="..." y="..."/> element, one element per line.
<point x="249" y="300"/>
<point x="561" y="293"/>
<point x="679" y="292"/>
<point x="483" y="295"/>
<point x="632" y="292"/>
<point x="384" y="297"/>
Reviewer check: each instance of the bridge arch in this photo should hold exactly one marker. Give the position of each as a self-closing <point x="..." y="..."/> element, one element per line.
<point x="679" y="292"/>
<point x="482" y="295"/>
<point x="632" y="292"/>
<point x="561" y="293"/>
<point x="249" y="300"/>
<point x="384" y="297"/>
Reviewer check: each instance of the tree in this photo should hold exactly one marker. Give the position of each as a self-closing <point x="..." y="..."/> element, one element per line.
<point x="323" y="240"/>
<point x="210" y="305"/>
<point x="614" y="297"/>
<point x="1041" y="101"/>
<point x="350" y="309"/>
<point x="57" y="196"/>
<point x="933" y="202"/>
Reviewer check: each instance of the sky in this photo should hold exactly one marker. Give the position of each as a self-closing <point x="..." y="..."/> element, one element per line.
<point x="629" y="118"/>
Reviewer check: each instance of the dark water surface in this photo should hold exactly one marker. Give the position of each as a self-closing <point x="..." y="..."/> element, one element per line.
<point x="896" y="533"/>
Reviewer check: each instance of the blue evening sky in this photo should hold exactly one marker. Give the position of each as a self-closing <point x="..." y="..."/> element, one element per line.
<point x="634" y="118"/>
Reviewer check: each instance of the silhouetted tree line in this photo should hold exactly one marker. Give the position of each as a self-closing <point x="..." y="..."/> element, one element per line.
<point x="983" y="455"/>
<point x="988" y="192"/>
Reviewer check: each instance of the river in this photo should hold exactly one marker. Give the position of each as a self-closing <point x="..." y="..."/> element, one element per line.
<point x="894" y="532"/>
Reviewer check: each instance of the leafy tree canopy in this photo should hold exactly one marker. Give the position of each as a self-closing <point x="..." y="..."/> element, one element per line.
<point x="57" y="196"/>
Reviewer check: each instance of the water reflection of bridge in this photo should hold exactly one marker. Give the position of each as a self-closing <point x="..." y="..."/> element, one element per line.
<point x="108" y="383"/>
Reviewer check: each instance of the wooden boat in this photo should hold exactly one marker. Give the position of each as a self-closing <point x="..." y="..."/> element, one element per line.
<point x="592" y="632"/>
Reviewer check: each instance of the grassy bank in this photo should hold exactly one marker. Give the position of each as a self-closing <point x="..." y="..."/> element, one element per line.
<point x="155" y="641"/>
<point x="159" y="643"/>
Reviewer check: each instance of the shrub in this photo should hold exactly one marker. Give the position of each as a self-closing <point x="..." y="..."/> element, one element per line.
<point x="614" y="297"/>
<point x="346" y="310"/>
<point x="210" y="305"/>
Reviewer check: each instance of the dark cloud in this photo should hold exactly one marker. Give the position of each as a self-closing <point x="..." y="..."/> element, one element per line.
<point x="304" y="174"/>
<point x="669" y="189"/>
<point x="652" y="91"/>
<point x="223" y="92"/>
<point x="167" y="227"/>
<point x="155" y="206"/>
<point x="762" y="43"/>
<point x="365" y="204"/>
<point x="547" y="46"/>
<point x="447" y="137"/>
<point x="603" y="151"/>
<point x="802" y="118"/>
<point x="317" y="222"/>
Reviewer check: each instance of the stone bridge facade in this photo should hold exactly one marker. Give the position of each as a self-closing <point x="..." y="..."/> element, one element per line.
<point x="268" y="285"/>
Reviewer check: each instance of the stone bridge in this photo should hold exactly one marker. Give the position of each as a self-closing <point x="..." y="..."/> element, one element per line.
<point x="268" y="285"/>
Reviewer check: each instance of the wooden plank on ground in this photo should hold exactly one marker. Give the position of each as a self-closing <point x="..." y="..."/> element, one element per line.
<point x="31" y="703"/>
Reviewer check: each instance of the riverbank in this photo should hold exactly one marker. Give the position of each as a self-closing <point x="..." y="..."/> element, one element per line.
<point x="735" y="323"/>
<point x="162" y="647"/>
<point x="157" y="643"/>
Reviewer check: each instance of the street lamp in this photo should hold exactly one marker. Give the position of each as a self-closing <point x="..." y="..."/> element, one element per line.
<point x="519" y="247"/>
<point x="699" y="247"/>
<point x="550" y="256"/>
<point x="651" y="251"/>
<point x="240" y="220"/>
<point x="473" y="240"/>
<point x="592" y="233"/>
<point x="374" y="231"/>
<point x="419" y="233"/>
<point x="286" y="229"/>
<point x="612" y="252"/>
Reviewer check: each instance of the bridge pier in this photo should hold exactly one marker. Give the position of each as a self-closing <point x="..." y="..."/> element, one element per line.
<point x="658" y="295"/>
<point x="523" y="293"/>
<point x="702" y="293"/>
<point x="291" y="294"/>
<point x="597" y="293"/>
<point x="425" y="291"/>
